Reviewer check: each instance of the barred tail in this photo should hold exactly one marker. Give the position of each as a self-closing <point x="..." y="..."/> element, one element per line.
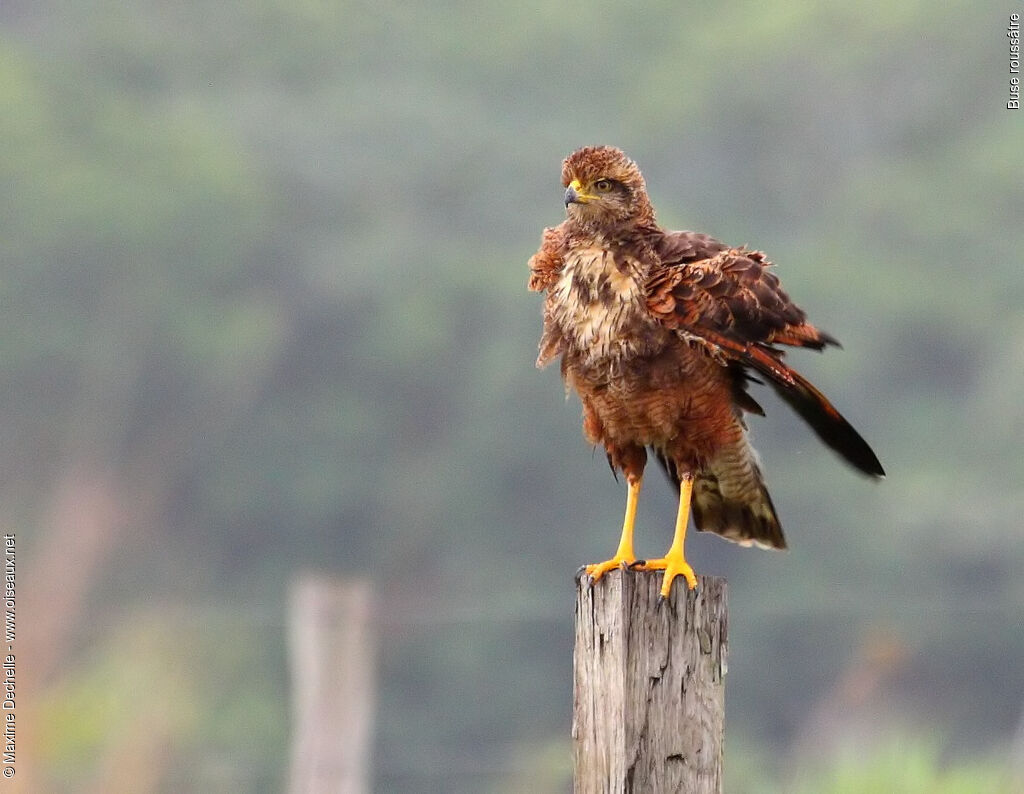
<point x="730" y="498"/>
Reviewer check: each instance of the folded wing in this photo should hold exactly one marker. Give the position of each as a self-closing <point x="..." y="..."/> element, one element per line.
<point x="729" y="301"/>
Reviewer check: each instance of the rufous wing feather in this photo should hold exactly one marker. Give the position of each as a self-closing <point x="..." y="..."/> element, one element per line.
<point x="732" y="303"/>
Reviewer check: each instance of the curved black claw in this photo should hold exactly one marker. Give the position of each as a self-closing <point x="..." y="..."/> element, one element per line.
<point x="635" y="564"/>
<point x="581" y="572"/>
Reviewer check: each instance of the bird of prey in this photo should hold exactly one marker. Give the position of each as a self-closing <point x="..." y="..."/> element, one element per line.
<point x="659" y="333"/>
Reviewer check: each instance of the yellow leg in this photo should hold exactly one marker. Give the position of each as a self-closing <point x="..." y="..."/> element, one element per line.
<point x="674" y="562"/>
<point x="624" y="554"/>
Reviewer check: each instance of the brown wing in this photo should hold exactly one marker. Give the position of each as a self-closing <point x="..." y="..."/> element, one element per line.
<point x="732" y="305"/>
<point x="729" y="290"/>
<point x="675" y="248"/>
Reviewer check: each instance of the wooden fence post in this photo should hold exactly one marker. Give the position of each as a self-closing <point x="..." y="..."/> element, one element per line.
<point x="648" y="689"/>
<point x="332" y="646"/>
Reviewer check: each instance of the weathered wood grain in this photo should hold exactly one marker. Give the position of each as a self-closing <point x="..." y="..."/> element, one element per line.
<point x="649" y="699"/>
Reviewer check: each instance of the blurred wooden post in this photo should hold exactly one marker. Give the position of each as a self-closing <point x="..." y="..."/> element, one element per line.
<point x="332" y="647"/>
<point x="648" y="690"/>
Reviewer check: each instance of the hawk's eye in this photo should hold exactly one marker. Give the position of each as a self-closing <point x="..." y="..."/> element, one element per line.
<point x="603" y="185"/>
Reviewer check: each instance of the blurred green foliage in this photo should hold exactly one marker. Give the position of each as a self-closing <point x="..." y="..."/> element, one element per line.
<point x="898" y="763"/>
<point x="909" y="768"/>
<point x="265" y="265"/>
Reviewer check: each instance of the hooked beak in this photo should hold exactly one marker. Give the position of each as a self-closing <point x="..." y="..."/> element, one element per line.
<point x="574" y="193"/>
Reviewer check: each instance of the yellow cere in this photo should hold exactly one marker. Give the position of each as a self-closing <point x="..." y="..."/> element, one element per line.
<point x="581" y="195"/>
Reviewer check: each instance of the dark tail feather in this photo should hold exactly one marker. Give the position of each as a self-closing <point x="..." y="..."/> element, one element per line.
<point x="809" y="403"/>
<point x="828" y="424"/>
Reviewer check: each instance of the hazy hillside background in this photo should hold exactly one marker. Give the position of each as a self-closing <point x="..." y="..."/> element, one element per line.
<point x="262" y="280"/>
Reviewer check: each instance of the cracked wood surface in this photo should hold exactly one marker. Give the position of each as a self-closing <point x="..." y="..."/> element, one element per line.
<point x="648" y="690"/>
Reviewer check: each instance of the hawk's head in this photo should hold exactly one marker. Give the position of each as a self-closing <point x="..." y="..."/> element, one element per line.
<point x="604" y="188"/>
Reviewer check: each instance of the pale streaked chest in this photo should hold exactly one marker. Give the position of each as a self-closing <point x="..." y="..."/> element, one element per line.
<point x="600" y="307"/>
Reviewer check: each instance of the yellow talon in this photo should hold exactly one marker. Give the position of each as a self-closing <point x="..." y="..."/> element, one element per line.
<point x="624" y="554"/>
<point x="674" y="562"/>
<point x="598" y="569"/>
<point x="673" y="566"/>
